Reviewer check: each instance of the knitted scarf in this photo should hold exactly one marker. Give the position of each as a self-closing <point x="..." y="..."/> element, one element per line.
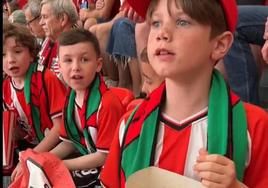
<point x="227" y="129"/>
<point x="92" y="100"/>
<point x="33" y="90"/>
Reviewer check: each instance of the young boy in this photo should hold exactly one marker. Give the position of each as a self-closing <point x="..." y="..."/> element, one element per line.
<point x="192" y="124"/>
<point x="31" y="91"/>
<point x="151" y="80"/>
<point x="91" y="111"/>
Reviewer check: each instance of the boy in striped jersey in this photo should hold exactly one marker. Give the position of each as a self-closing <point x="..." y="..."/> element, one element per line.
<point x="192" y="124"/>
<point x="91" y="111"/>
<point x="34" y="93"/>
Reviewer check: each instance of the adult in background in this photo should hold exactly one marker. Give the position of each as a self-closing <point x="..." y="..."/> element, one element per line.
<point x="56" y="16"/>
<point x="240" y="65"/>
<point x="32" y="14"/>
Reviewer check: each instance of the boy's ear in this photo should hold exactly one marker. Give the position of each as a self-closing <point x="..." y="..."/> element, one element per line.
<point x="222" y="44"/>
<point x="99" y="62"/>
<point x="32" y="58"/>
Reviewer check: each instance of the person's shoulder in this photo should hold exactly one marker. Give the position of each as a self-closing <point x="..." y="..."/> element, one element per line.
<point x="110" y="99"/>
<point x="48" y="74"/>
<point x="255" y="111"/>
<point x="6" y="86"/>
<point x="51" y="77"/>
<point x="257" y="117"/>
<point x="6" y="80"/>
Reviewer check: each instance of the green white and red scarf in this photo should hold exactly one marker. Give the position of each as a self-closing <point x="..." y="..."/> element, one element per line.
<point x="227" y="129"/>
<point x="92" y="100"/>
<point x="34" y="92"/>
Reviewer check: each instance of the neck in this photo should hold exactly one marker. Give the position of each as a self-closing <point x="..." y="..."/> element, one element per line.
<point x="56" y="34"/>
<point x="184" y="99"/>
<point x="19" y="82"/>
<point x="80" y="97"/>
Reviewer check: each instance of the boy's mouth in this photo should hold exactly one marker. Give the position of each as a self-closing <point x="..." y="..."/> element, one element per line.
<point x="13" y="68"/>
<point x="163" y="52"/>
<point x="76" y="77"/>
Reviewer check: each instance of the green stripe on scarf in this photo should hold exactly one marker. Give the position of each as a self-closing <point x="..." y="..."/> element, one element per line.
<point x="144" y="148"/>
<point x="240" y="141"/>
<point x="35" y="113"/>
<point x="93" y="102"/>
<point x="217" y="135"/>
<point x="70" y="126"/>
<point x="138" y="154"/>
<point x="27" y="84"/>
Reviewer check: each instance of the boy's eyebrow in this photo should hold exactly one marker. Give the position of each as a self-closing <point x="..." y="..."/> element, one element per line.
<point x="156" y="14"/>
<point x="178" y="12"/>
<point x="83" y="53"/>
<point x="66" y="55"/>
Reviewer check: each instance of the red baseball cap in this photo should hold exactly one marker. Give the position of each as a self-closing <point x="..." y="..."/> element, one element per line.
<point x="21" y="3"/>
<point x="42" y="170"/>
<point x="229" y="7"/>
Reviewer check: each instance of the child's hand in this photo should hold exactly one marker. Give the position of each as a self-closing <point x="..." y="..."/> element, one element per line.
<point x="16" y="172"/>
<point x="130" y="13"/>
<point x="100" y="4"/>
<point x="83" y="14"/>
<point x="216" y="170"/>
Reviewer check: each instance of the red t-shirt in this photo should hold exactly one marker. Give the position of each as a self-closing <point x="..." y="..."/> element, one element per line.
<point x="14" y="100"/>
<point x="175" y="139"/>
<point x="108" y="115"/>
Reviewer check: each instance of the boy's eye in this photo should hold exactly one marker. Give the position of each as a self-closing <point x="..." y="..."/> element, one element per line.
<point x="84" y="60"/>
<point x="182" y="22"/>
<point x="155" y="23"/>
<point x="43" y="16"/>
<point x="67" y="60"/>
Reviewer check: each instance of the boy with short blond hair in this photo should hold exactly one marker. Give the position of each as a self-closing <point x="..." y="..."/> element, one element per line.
<point x="192" y="124"/>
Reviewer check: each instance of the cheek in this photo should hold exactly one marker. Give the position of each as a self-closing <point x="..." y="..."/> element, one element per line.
<point x="5" y="67"/>
<point x="64" y="70"/>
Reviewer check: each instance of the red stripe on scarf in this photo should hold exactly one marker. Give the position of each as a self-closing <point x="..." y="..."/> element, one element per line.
<point x="141" y="115"/>
<point x="123" y="179"/>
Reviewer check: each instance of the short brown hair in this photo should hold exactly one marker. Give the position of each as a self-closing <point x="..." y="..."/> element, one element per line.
<point x="144" y="55"/>
<point x="22" y="36"/>
<point x="206" y="12"/>
<point x="78" y="35"/>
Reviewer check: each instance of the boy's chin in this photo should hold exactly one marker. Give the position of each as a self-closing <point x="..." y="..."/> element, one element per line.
<point x="78" y="88"/>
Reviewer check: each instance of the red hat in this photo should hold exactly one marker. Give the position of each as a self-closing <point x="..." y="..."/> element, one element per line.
<point x="229" y="7"/>
<point x="42" y="170"/>
<point x="21" y="3"/>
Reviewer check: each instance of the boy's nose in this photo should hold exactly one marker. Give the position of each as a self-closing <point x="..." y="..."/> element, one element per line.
<point x="76" y="67"/>
<point x="164" y="35"/>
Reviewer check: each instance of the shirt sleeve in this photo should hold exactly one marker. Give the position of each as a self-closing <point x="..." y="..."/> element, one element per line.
<point x="109" y="114"/>
<point x="56" y="94"/>
<point x="257" y="172"/>
<point x="110" y="174"/>
<point x="63" y="134"/>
